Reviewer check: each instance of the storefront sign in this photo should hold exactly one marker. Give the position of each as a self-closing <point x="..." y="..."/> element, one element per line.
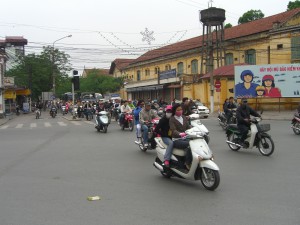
<point x="167" y="74"/>
<point x="8" y="81"/>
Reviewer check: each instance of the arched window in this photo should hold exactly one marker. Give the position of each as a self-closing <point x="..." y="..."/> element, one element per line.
<point x="250" y="56"/>
<point x="194" y="65"/>
<point x="180" y="68"/>
<point x="228" y="59"/>
<point x="147" y="72"/>
<point x="167" y="67"/>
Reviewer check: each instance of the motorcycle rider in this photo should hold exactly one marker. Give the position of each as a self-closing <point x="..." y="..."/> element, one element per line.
<point x="53" y="107"/>
<point x="146" y="115"/>
<point x="100" y="107"/>
<point x="178" y="125"/>
<point x="124" y="109"/>
<point x="163" y="129"/>
<point x="186" y="107"/>
<point x="136" y="114"/>
<point x="228" y="107"/>
<point x="243" y="113"/>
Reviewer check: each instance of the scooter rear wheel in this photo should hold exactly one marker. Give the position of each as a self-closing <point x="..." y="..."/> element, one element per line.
<point x="212" y="179"/>
<point x="297" y="128"/>
<point x="233" y="138"/>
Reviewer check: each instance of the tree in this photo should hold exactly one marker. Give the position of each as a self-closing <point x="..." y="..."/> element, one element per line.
<point x="35" y="71"/>
<point x="251" y="15"/>
<point x="293" y="5"/>
<point x="100" y="84"/>
<point x="228" y="25"/>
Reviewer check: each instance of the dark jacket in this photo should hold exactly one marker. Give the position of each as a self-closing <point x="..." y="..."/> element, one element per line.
<point x="244" y="113"/>
<point x="163" y="127"/>
<point x="176" y="127"/>
<point x="228" y="106"/>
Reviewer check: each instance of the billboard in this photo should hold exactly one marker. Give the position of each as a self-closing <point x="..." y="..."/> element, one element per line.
<point x="272" y="80"/>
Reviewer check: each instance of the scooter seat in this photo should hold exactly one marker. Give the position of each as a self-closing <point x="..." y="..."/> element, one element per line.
<point x="179" y="152"/>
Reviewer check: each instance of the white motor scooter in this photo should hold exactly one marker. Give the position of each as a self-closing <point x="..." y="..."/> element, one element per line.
<point x="203" y="167"/>
<point x="196" y="122"/>
<point x="104" y="121"/>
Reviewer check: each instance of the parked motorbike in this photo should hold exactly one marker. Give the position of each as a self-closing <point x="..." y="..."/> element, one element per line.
<point x="257" y="137"/>
<point x="196" y="122"/>
<point x="296" y="124"/>
<point x="127" y="122"/>
<point x="101" y="121"/>
<point x="37" y="113"/>
<point x="53" y="112"/>
<point x="151" y="135"/>
<point x="203" y="167"/>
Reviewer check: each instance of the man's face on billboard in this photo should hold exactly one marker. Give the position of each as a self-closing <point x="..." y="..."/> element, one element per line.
<point x="247" y="78"/>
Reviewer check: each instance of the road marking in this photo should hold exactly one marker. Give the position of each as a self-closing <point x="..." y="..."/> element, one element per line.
<point x="4" y="127"/>
<point x="62" y="124"/>
<point x="33" y="125"/>
<point x="20" y="125"/>
<point x="47" y="124"/>
<point x="76" y="123"/>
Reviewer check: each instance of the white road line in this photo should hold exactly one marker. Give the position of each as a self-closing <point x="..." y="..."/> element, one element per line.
<point x="62" y="124"/>
<point x="75" y="123"/>
<point x="47" y="124"/>
<point x="4" y="127"/>
<point x="33" y="125"/>
<point x="20" y="125"/>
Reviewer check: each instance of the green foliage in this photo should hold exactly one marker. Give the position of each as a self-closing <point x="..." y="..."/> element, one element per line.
<point x="35" y="71"/>
<point x="228" y="25"/>
<point x="293" y="5"/>
<point x="100" y="84"/>
<point x="251" y="15"/>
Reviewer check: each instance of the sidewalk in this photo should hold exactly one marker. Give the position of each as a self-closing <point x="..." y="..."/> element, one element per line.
<point x="6" y="119"/>
<point x="272" y="115"/>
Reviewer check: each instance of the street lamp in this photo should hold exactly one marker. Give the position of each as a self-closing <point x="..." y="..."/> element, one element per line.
<point x="53" y="73"/>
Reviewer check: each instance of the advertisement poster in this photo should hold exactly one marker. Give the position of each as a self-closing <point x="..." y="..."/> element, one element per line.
<point x="271" y="81"/>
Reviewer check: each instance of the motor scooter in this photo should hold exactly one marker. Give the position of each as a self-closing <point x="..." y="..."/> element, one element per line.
<point x="257" y="137"/>
<point x="37" y="113"/>
<point x="296" y="124"/>
<point x="127" y="122"/>
<point x="75" y="112"/>
<point x="196" y="122"/>
<point x="101" y="121"/>
<point x="151" y="135"/>
<point x="202" y="168"/>
<point x="63" y="109"/>
<point x="53" y="112"/>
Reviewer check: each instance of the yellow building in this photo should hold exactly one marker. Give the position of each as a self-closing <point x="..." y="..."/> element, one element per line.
<point x="174" y="71"/>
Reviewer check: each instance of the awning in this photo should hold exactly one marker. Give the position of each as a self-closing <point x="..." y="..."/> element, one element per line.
<point x="23" y="92"/>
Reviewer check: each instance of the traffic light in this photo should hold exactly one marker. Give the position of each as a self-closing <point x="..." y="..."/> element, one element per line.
<point x="75" y="80"/>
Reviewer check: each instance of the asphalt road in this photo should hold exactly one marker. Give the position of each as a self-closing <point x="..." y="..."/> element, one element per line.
<point x="48" y="168"/>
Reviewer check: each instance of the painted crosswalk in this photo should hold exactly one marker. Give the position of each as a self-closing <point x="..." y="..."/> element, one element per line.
<point x="44" y="124"/>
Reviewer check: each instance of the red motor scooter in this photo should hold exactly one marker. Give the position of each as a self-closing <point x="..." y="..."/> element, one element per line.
<point x="128" y="122"/>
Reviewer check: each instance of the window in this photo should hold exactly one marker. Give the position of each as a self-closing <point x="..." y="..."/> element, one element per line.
<point x="180" y="68"/>
<point x="194" y="66"/>
<point x="167" y="67"/>
<point x="228" y="59"/>
<point x="250" y="56"/>
<point x="147" y="72"/>
<point x="279" y="46"/>
<point x="295" y="46"/>
<point x="157" y="70"/>
<point x="138" y="75"/>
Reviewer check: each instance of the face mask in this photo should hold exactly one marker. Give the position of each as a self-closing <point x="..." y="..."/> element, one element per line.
<point x="178" y="113"/>
<point x="168" y="115"/>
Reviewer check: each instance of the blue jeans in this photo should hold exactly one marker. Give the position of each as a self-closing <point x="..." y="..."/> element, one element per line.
<point x="169" y="150"/>
<point x="145" y="133"/>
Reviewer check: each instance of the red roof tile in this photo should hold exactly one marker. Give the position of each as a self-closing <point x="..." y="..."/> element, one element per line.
<point x="227" y="70"/>
<point x="242" y="30"/>
<point x="120" y="64"/>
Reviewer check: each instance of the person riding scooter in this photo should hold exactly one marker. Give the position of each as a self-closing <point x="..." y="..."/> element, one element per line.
<point x="178" y="125"/>
<point x="243" y="113"/>
<point x="124" y="109"/>
<point x="228" y="109"/>
<point x="163" y="129"/>
<point x="136" y="114"/>
<point x="146" y="116"/>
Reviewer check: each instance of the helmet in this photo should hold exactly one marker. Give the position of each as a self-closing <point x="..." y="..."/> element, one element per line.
<point x="168" y="107"/>
<point x="268" y="77"/>
<point x="260" y="88"/>
<point x="246" y="72"/>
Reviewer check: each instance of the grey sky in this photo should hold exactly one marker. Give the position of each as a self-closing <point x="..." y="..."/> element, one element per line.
<point x="103" y="30"/>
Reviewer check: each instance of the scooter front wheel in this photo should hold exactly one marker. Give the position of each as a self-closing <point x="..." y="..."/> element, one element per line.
<point x="130" y="125"/>
<point x="210" y="179"/>
<point x="266" y="146"/>
<point x="104" y="129"/>
<point x="296" y="128"/>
